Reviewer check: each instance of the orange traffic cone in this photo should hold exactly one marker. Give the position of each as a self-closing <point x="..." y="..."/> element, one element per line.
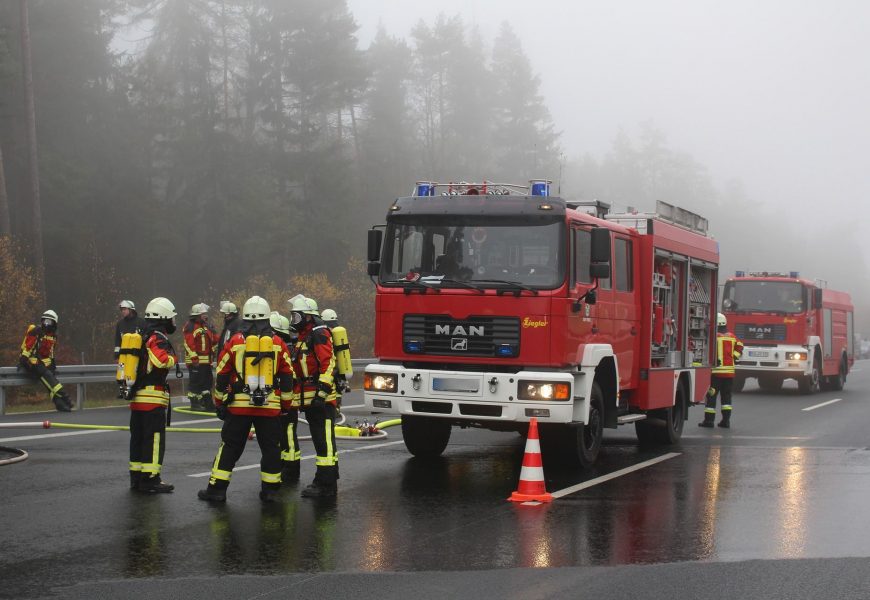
<point x="531" y="487"/>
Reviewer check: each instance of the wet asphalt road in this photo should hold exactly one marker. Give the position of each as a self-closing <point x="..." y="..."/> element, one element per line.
<point x="776" y="507"/>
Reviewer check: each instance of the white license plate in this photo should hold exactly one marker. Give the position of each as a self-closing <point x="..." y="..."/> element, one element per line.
<point x="758" y="353"/>
<point x="455" y="384"/>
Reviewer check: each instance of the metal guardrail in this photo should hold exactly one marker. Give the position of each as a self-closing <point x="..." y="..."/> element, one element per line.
<point x="81" y="375"/>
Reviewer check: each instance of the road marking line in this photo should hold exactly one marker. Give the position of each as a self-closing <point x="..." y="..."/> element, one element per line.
<point x="309" y="457"/>
<point x="43" y="436"/>
<point x="614" y="475"/>
<point x="821" y="405"/>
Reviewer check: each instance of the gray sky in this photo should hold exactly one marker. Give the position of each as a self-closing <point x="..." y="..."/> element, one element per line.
<point x="775" y="93"/>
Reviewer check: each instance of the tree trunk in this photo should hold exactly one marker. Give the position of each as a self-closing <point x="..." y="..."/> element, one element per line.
<point x="5" y="227"/>
<point x="32" y="160"/>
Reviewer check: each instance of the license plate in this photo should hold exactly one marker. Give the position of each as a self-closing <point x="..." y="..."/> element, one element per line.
<point x="455" y="384"/>
<point x="758" y="353"/>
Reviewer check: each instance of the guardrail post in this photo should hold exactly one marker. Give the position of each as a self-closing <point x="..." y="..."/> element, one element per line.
<point x="80" y="395"/>
<point x="2" y="400"/>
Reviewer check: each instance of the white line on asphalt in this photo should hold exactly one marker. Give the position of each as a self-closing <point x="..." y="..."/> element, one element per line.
<point x="44" y="436"/>
<point x="614" y="475"/>
<point x="309" y="457"/>
<point x="821" y="405"/>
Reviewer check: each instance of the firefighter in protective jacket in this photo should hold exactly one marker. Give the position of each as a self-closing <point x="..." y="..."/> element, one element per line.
<point x="149" y="398"/>
<point x="37" y="358"/>
<point x="291" y="455"/>
<point x="253" y="377"/>
<point x="314" y="388"/>
<point x="199" y="348"/>
<point x="728" y="351"/>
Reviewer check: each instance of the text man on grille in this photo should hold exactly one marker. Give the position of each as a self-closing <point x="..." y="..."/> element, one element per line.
<point x="253" y="375"/>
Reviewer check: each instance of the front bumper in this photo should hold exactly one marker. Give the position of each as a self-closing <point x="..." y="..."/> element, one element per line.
<point x="769" y="360"/>
<point x="468" y="395"/>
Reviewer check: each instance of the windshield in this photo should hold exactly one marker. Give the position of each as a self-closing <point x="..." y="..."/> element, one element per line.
<point x="475" y="251"/>
<point x="764" y="296"/>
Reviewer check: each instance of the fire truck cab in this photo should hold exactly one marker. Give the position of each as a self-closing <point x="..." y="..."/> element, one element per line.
<point x="498" y="303"/>
<point x="791" y="328"/>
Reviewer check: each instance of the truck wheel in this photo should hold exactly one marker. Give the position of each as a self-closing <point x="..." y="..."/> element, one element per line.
<point x="809" y="384"/>
<point x="836" y="382"/>
<point x="665" y="425"/>
<point x="739" y="382"/>
<point x="575" y="446"/>
<point x="425" y="437"/>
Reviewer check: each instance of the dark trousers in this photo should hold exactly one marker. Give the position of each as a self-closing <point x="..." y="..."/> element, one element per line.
<point x="42" y="373"/>
<point x="201" y="382"/>
<point x="719" y="386"/>
<point x="290" y="451"/>
<point x="147" y="441"/>
<point x="321" y="421"/>
<point x="234" y="436"/>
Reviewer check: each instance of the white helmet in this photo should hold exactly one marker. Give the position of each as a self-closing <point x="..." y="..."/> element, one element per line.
<point x="255" y="309"/>
<point x="301" y="304"/>
<point x="312" y="305"/>
<point x="228" y="307"/>
<point x="329" y="315"/>
<point x="127" y="304"/>
<point x="199" y="309"/>
<point x="160" y="308"/>
<point x="51" y="315"/>
<point x="721" y="321"/>
<point x="279" y="322"/>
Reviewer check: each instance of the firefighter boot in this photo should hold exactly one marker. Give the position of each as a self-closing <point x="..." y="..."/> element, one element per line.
<point x="324" y="485"/>
<point x="154" y="485"/>
<point x="290" y="472"/>
<point x="269" y="493"/>
<point x="212" y="494"/>
<point x="134" y="479"/>
<point x="726" y="419"/>
<point x="709" y="418"/>
<point x="207" y="403"/>
<point x="62" y="402"/>
<point x="194" y="402"/>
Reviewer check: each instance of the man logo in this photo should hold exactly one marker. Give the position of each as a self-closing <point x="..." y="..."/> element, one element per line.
<point x="459" y="344"/>
<point x="474" y="330"/>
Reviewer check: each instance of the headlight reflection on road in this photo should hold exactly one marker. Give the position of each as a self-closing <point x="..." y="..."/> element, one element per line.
<point x="793" y="504"/>
<point x="707" y="529"/>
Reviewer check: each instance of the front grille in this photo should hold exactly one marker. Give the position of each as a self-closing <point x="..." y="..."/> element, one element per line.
<point x="431" y="407"/>
<point x="477" y="410"/>
<point x="747" y="332"/>
<point x="769" y="364"/>
<point x="475" y="336"/>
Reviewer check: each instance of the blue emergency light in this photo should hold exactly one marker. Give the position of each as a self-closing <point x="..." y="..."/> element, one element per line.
<point x="740" y="273"/>
<point x="425" y="188"/>
<point x="539" y="187"/>
<point x="794" y="274"/>
<point x="413" y="346"/>
<point x="506" y="350"/>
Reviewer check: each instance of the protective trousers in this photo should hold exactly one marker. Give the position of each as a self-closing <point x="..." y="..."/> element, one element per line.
<point x="147" y="442"/>
<point x="234" y="436"/>
<point x="290" y="452"/>
<point x="719" y="385"/>
<point x="199" y="390"/>
<point x="49" y="380"/>
<point x="321" y="422"/>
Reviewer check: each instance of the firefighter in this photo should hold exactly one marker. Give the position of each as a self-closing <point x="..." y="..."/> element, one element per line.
<point x="199" y="349"/>
<point x="130" y="322"/>
<point x="314" y="386"/>
<point x="232" y="322"/>
<point x="291" y="455"/>
<point x="149" y="399"/>
<point x="728" y="351"/>
<point x="251" y="384"/>
<point x="37" y="358"/>
<point x="341" y="348"/>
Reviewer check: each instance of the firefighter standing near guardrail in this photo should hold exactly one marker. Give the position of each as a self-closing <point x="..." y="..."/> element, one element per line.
<point x="253" y="376"/>
<point x="200" y="340"/>
<point x="149" y="358"/>
<point x="37" y="358"/>
<point x="314" y="385"/>
<point x="130" y="322"/>
<point x="728" y="351"/>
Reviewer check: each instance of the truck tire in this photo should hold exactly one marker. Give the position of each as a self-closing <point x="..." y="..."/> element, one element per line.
<point x="836" y="382"/>
<point x="809" y="384"/>
<point x="665" y="425"/>
<point x="575" y="446"/>
<point x="424" y="436"/>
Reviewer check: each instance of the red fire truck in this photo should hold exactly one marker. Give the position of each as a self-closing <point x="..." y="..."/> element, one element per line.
<point x="791" y="328"/>
<point x="499" y="303"/>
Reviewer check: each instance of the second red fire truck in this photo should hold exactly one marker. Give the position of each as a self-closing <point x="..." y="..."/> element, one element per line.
<point x="496" y="304"/>
<point x="791" y="328"/>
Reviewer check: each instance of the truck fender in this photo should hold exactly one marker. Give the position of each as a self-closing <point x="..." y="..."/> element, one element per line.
<point x="590" y="356"/>
<point x="814" y="342"/>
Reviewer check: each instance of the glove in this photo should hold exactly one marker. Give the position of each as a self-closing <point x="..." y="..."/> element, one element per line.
<point x="221" y="411"/>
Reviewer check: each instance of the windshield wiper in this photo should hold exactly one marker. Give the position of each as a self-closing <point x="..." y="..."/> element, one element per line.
<point x="413" y="285"/>
<point x="519" y="287"/>
<point x="464" y="284"/>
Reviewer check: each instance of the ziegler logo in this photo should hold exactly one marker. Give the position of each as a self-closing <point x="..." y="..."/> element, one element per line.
<point x="787" y="320"/>
<point x="534" y="323"/>
<point x="473" y="330"/>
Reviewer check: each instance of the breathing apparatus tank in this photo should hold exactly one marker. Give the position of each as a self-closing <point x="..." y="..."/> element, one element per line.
<point x="341" y="347"/>
<point x="128" y="362"/>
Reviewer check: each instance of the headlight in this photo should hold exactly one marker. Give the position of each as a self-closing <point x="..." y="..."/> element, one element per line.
<point x="543" y="390"/>
<point x="381" y="382"/>
<point x="795" y="355"/>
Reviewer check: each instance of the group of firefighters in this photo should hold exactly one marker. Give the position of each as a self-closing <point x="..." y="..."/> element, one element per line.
<point x="268" y="368"/>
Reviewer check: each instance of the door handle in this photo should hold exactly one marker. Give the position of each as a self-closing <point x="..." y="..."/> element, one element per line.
<point x="594" y="329"/>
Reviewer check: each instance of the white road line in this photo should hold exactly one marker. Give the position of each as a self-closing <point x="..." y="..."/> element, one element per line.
<point x="614" y="475"/>
<point x="309" y="457"/>
<point x="821" y="405"/>
<point x="44" y="436"/>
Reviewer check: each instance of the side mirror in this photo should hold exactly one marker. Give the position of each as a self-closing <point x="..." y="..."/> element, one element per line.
<point x="374" y="268"/>
<point x="376" y="236"/>
<point x="817" y="297"/>
<point x="600" y="245"/>
<point x="599" y="270"/>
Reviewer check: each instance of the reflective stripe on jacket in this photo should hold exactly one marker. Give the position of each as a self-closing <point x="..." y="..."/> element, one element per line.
<point x="44" y="352"/>
<point x="728" y="352"/>
<point x="151" y="389"/>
